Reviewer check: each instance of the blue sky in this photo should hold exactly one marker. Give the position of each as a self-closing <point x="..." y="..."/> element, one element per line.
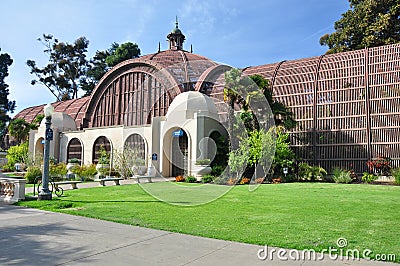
<point x="237" y="33"/>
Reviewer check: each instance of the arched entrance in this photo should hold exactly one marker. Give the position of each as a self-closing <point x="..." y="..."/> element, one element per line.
<point x="74" y="149"/>
<point x="137" y="144"/>
<point x="39" y="149"/>
<point x="101" y="142"/>
<point x="179" y="152"/>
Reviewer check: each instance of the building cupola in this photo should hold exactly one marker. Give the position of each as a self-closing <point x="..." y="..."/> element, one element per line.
<point x="176" y="38"/>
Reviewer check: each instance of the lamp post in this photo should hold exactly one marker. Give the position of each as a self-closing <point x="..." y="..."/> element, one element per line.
<point x="45" y="193"/>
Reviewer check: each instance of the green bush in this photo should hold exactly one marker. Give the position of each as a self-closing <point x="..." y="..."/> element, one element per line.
<point x="368" y="178"/>
<point x="207" y="179"/>
<point x="57" y="171"/>
<point x="190" y="179"/>
<point x="216" y="170"/>
<point x="341" y="176"/>
<point x="311" y="173"/>
<point x="32" y="173"/>
<point x="396" y="175"/>
<point x="17" y="154"/>
<point x="88" y="172"/>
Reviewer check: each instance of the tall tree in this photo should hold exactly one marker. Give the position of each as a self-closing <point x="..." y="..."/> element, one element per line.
<point x="97" y="67"/>
<point x="19" y="129"/>
<point x="368" y="23"/>
<point x="5" y="104"/>
<point x="123" y="52"/>
<point x="67" y="64"/>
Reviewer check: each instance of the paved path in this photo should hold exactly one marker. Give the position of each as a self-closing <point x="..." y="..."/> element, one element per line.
<point x="96" y="184"/>
<point x="35" y="237"/>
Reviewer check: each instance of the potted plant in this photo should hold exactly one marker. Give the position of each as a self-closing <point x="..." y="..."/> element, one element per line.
<point x="73" y="162"/>
<point x="103" y="165"/>
<point x="201" y="168"/>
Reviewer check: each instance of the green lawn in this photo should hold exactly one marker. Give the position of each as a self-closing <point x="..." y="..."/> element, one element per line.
<point x="296" y="215"/>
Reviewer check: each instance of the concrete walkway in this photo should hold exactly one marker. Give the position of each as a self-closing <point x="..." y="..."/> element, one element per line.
<point x="35" y="237"/>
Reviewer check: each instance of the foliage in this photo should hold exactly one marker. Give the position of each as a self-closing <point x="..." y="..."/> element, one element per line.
<point x="19" y="129"/>
<point x="368" y="178"/>
<point x="396" y="175"/>
<point x="365" y="24"/>
<point x="125" y="159"/>
<point x="123" y="52"/>
<point x="238" y="159"/>
<point x="232" y="181"/>
<point x="217" y="170"/>
<point x="88" y="172"/>
<point x="341" y="176"/>
<point x="57" y="171"/>
<point x="207" y="179"/>
<point x="32" y="173"/>
<point x="5" y="104"/>
<point x="311" y="173"/>
<point x="284" y="155"/>
<point x="203" y="162"/>
<point x="245" y="181"/>
<point x="36" y="122"/>
<point x="104" y="156"/>
<point x="17" y="154"/>
<point x="67" y="64"/>
<point x="190" y="179"/>
<point x="73" y="160"/>
<point x="179" y="178"/>
<point x="282" y="115"/>
<point x="260" y="180"/>
<point x="220" y="161"/>
<point x="381" y="165"/>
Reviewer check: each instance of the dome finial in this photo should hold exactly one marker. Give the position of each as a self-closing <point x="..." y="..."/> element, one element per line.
<point x="176" y="38"/>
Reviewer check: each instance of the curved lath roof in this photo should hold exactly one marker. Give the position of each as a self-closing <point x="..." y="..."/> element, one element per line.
<point x="75" y="108"/>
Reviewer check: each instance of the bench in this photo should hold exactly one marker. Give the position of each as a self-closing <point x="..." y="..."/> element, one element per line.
<point x="103" y="181"/>
<point x="137" y="177"/>
<point x="73" y="183"/>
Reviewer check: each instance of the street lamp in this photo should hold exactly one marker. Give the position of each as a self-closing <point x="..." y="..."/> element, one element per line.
<point x="45" y="193"/>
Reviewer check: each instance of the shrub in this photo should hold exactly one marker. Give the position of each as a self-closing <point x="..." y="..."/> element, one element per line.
<point x="260" y="180"/>
<point x="32" y="173"/>
<point x="88" y="172"/>
<point x="57" y="171"/>
<point x="203" y="162"/>
<point x="311" y="173"/>
<point x="73" y="160"/>
<point x="396" y="175"/>
<point x="17" y="154"/>
<point x="232" y="181"/>
<point x="207" y="179"/>
<point x="368" y="178"/>
<point x="341" y="176"/>
<point x="380" y="165"/>
<point x="244" y="181"/>
<point x="190" y="179"/>
<point x="217" y="170"/>
<point x="179" y="178"/>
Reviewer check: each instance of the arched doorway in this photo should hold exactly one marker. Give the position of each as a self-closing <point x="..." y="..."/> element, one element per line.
<point x="179" y="152"/>
<point x="74" y="149"/>
<point x="39" y="149"/>
<point x="100" y="142"/>
<point x="136" y="143"/>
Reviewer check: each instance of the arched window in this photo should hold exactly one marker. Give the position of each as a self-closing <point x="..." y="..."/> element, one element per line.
<point x="136" y="143"/>
<point x="74" y="149"/>
<point x="100" y="142"/>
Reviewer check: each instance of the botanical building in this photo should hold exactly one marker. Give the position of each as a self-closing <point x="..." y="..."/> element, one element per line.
<point x="347" y="106"/>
